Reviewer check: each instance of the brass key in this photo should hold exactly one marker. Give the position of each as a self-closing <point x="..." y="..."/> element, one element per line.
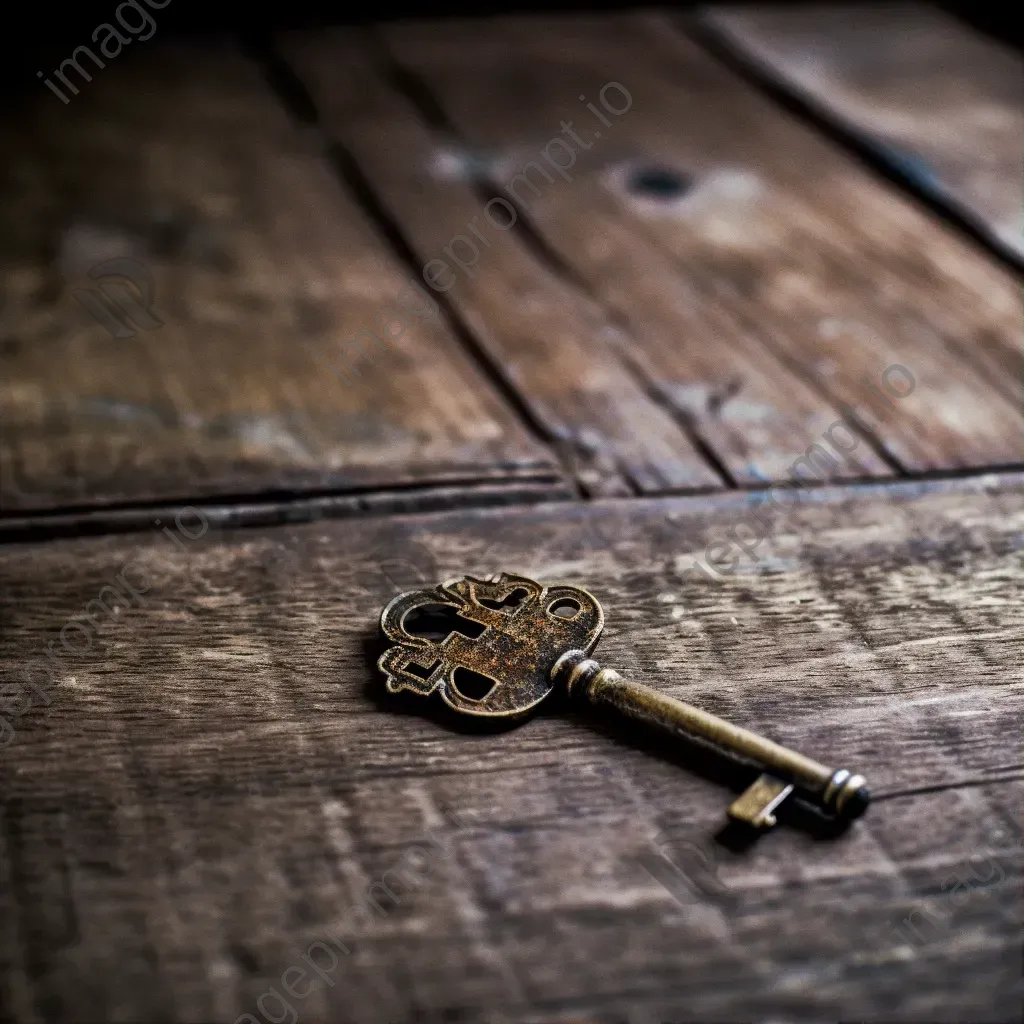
<point x="515" y="641"/>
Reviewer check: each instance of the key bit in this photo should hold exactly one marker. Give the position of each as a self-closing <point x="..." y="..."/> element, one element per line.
<point x="519" y="640"/>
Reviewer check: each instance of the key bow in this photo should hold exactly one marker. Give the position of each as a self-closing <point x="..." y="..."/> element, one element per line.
<point x="526" y="627"/>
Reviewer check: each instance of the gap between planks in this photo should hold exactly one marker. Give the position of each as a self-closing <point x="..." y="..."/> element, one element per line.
<point x="257" y="511"/>
<point x="293" y="93"/>
<point x="740" y="41"/>
<point x="716" y="277"/>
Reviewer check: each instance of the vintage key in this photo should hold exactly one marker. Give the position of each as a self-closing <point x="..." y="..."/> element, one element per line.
<point x="519" y="640"/>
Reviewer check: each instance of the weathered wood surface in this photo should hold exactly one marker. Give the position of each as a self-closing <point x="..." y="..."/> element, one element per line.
<point x="263" y="270"/>
<point x="219" y="777"/>
<point x="684" y="352"/>
<point x="661" y="354"/>
<point x="781" y="252"/>
<point x="214" y="783"/>
<point x="553" y="343"/>
<point x="943" y="105"/>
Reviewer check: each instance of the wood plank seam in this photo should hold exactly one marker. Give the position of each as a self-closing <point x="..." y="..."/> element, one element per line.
<point x="964" y="351"/>
<point x="250" y="510"/>
<point x="282" y="271"/>
<point x="477" y="169"/>
<point x="799" y="480"/>
<point x="811" y="379"/>
<point x="573" y="447"/>
<point x="731" y="262"/>
<point x="487" y="185"/>
<point x="893" y="167"/>
<point x="945" y="787"/>
<point x="294" y="95"/>
<point x="352" y="176"/>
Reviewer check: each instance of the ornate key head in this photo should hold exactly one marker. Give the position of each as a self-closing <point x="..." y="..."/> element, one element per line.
<point x="521" y="628"/>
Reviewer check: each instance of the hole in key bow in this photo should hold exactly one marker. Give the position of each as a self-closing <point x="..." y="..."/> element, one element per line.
<point x="438" y="621"/>
<point x="564" y="608"/>
<point x="473" y="685"/>
<point x="422" y="671"/>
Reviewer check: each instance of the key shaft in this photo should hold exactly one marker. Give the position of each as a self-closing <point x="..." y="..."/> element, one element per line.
<point x="840" y="792"/>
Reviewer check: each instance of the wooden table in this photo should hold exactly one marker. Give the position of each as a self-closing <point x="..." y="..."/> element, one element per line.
<point x="596" y="299"/>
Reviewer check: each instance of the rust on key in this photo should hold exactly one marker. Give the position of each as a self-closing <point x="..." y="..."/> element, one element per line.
<point x="495" y="648"/>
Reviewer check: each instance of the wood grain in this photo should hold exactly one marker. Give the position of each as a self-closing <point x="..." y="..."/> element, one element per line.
<point x="219" y="777"/>
<point x="939" y="102"/>
<point x="781" y="253"/>
<point x="552" y="343"/>
<point x="664" y="329"/>
<point x="264" y="269"/>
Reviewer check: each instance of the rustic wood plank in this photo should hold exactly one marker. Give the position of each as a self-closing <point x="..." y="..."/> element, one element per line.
<point x="940" y="103"/>
<point x="264" y="269"/>
<point x="662" y="329"/>
<point x="218" y="778"/>
<point x="552" y="342"/>
<point x="779" y="248"/>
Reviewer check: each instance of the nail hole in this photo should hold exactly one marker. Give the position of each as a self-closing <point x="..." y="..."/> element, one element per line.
<point x="564" y="608"/>
<point x="473" y="685"/>
<point x="659" y="183"/>
<point x="514" y="600"/>
<point x="437" y="621"/>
